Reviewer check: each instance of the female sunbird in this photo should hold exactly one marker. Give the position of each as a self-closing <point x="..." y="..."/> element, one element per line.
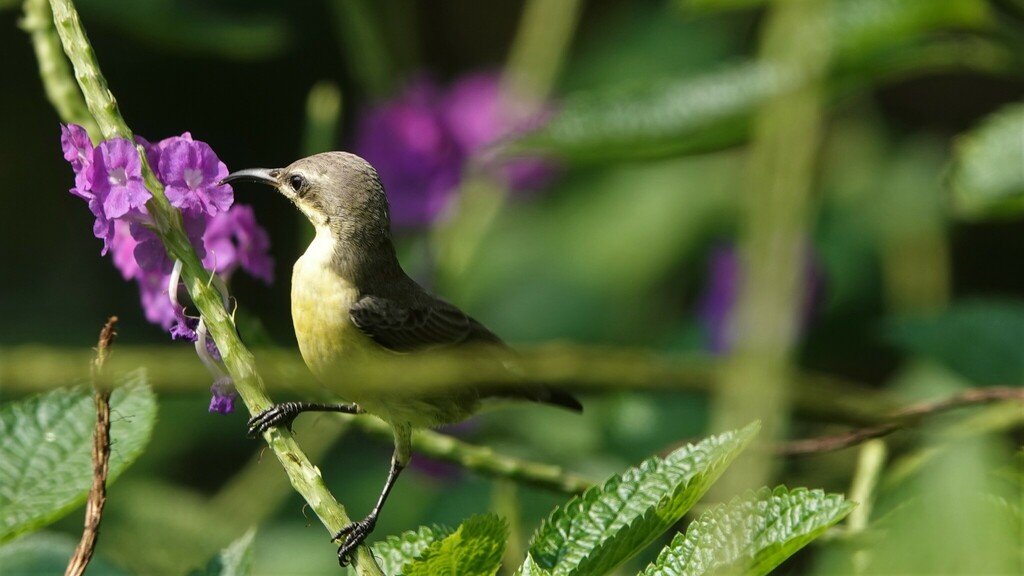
<point x="351" y="301"/>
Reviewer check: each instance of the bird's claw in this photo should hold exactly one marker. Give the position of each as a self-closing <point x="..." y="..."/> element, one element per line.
<point x="352" y="536"/>
<point x="277" y="415"/>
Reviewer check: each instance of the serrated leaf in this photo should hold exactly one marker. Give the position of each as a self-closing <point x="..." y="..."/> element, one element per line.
<point x="988" y="167"/>
<point x="979" y="339"/>
<point x="750" y="535"/>
<point x="235" y="560"/>
<point x="605" y="526"/>
<point x="46" y="450"/>
<point x="714" y="109"/>
<point x="530" y="568"/>
<point x="474" y="549"/>
<point x="394" y="552"/>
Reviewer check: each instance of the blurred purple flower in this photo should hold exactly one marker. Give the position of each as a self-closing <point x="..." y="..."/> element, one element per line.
<point x="234" y="239"/>
<point x="716" y="306"/>
<point x="418" y="161"/>
<point x="190" y="170"/>
<point x="478" y="115"/>
<point x="718" y="302"/>
<point x="421" y="141"/>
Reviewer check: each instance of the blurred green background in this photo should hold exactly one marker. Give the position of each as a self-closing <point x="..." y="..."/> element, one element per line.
<point x="653" y="107"/>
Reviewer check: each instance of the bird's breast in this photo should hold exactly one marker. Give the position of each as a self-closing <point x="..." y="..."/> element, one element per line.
<point x="321" y="299"/>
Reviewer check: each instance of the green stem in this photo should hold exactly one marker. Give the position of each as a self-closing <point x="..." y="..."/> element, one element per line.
<point x="542" y="40"/>
<point x="305" y="477"/>
<point x="61" y="89"/>
<point x="483" y="459"/>
<point x="774" y="239"/>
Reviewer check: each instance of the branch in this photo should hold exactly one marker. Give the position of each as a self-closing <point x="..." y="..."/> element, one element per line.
<point x="483" y="459"/>
<point x="305" y="477"/>
<point x="903" y="418"/>
<point x="818" y="397"/>
<point x="100" y="456"/>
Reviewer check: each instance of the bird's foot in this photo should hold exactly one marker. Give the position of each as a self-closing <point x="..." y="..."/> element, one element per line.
<point x="352" y="536"/>
<point x="277" y="415"/>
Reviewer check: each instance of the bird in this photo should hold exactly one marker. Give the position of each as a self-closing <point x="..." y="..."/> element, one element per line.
<point x="352" y="301"/>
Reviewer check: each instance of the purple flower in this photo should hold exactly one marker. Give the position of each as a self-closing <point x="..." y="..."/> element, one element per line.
<point x="123" y="246"/>
<point x="155" y="301"/>
<point x="718" y="302"/>
<point x="190" y="171"/>
<point x="418" y="161"/>
<point x="223" y="400"/>
<point x="78" y="151"/>
<point x="149" y="251"/>
<point x="116" y="177"/>
<point x="183" y="328"/>
<point x="234" y="239"/>
<point x="421" y="141"/>
<point x="109" y="178"/>
<point x="478" y="115"/>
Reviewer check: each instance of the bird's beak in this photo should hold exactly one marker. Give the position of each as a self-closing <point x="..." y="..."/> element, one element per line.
<point x="261" y="175"/>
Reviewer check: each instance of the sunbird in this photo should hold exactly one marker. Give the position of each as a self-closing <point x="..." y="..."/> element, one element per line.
<point x="351" y="300"/>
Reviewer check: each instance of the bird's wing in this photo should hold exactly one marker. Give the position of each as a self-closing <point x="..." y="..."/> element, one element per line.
<point x="407" y="328"/>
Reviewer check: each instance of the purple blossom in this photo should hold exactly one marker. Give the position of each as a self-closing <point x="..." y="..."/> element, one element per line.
<point x="418" y="160"/>
<point x="190" y="170"/>
<point x="234" y="239"/>
<point x="224" y="394"/>
<point x="155" y="301"/>
<point x="109" y="178"/>
<point x="718" y="302"/>
<point x="421" y="141"/>
<point x="116" y="178"/>
<point x="78" y="151"/>
<point x="149" y="251"/>
<point x="478" y="115"/>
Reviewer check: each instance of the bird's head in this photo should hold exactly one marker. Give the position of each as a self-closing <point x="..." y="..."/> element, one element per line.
<point x="337" y="191"/>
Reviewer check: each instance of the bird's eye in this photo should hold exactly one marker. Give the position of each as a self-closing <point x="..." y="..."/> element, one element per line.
<point x="296" y="182"/>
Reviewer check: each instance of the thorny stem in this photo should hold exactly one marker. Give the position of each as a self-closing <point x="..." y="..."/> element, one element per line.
<point x="239" y="361"/>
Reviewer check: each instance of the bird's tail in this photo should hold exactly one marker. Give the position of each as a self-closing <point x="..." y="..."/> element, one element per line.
<point x="542" y="394"/>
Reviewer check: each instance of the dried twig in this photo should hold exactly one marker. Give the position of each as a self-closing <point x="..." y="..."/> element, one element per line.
<point x="901" y="419"/>
<point x="100" y="456"/>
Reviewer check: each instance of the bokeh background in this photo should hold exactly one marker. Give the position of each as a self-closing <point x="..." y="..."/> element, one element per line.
<point x="633" y="236"/>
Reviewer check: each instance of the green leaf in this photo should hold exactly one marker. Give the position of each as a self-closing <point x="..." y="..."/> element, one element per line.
<point x="750" y="535"/>
<point x="474" y="549"/>
<point x="395" y="552"/>
<point x="714" y="109"/>
<point x="46" y="450"/>
<point x="987" y="177"/>
<point x="686" y="116"/>
<point x="605" y="526"/>
<point x="979" y="339"/>
<point x="235" y="560"/>
<point x="48" y="553"/>
<point x="530" y="568"/>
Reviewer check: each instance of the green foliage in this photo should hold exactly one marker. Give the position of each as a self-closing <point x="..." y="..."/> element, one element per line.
<point x="48" y="553"/>
<point x="988" y="174"/>
<point x="474" y="549"/>
<point x="46" y="450"/>
<point x="235" y="560"/>
<point x="394" y="552"/>
<point x="979" y="339"/>
<point x="750" y="535"/>
<point x="712" y="110"/>
<point x="609" y="524"/>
